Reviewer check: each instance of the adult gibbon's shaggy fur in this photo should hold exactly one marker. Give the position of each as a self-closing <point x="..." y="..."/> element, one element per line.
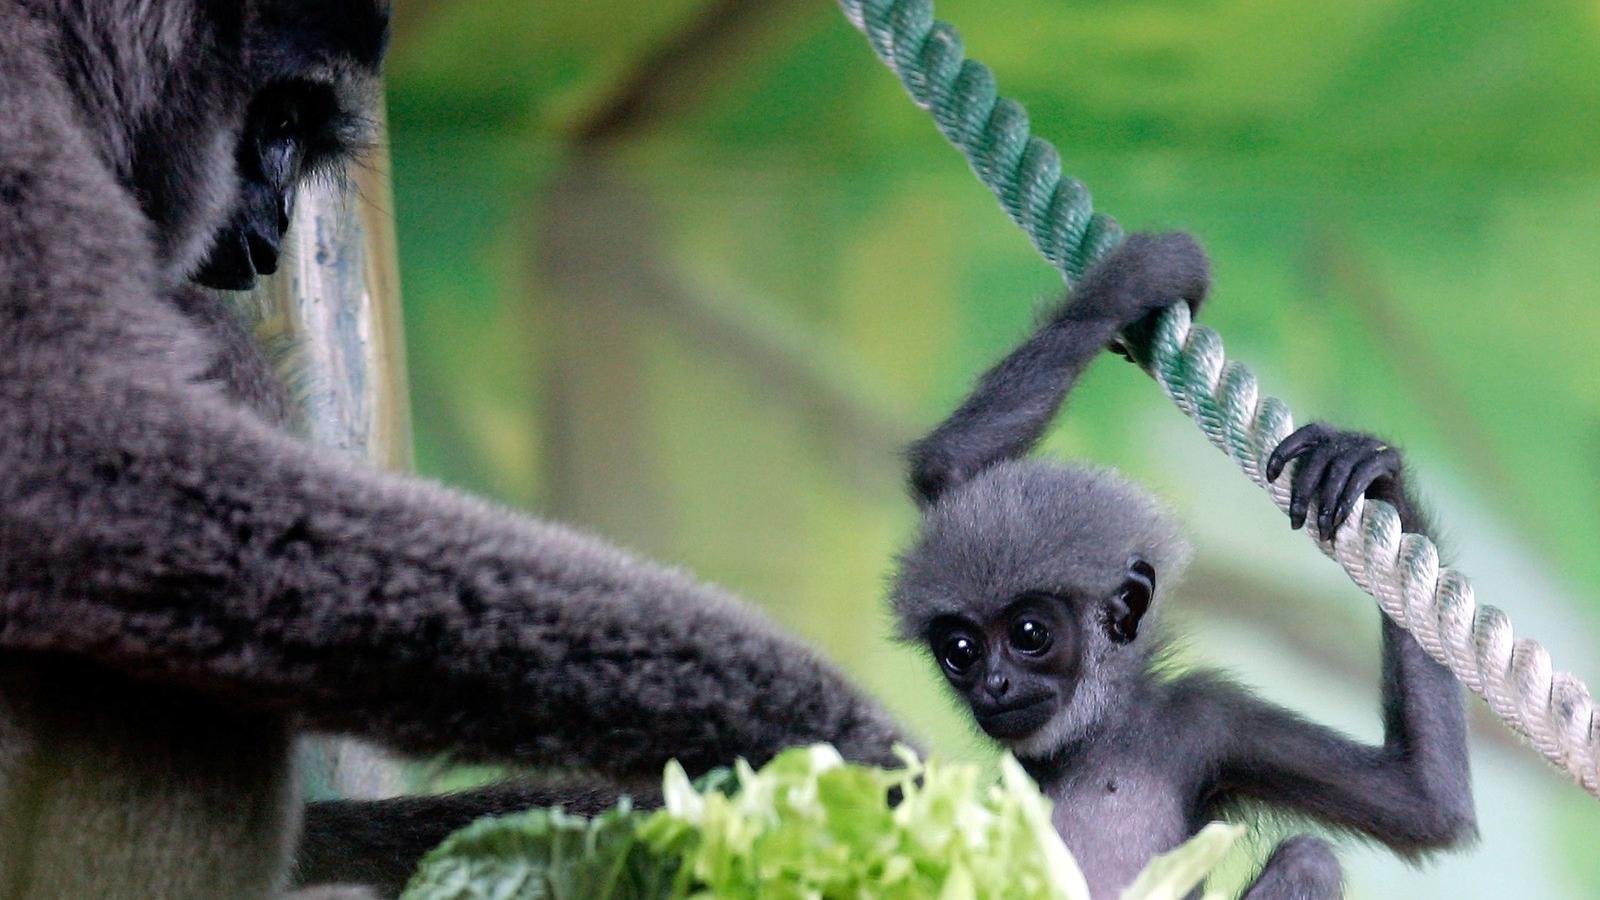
<point x="184" y="586"/>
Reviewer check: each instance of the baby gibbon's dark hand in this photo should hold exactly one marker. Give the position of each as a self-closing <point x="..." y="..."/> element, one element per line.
<point x="1336" y="467"/>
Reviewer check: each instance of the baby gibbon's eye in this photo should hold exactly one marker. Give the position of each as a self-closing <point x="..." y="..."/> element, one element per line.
<point x="959" y="654"/>
<point x="1030" y="636"/>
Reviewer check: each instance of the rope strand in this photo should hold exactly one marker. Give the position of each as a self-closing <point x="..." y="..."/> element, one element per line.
<point x="1554" y="711"/>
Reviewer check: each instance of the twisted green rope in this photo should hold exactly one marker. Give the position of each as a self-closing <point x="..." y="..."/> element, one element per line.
<point x="1552" y="710"/>
<point x="1023" y="171"/>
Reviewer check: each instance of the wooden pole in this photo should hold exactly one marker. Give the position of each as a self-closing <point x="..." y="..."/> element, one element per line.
<point x="337" y="298"/>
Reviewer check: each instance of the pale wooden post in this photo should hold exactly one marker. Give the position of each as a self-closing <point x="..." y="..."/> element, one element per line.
<point x="337" y="298"/>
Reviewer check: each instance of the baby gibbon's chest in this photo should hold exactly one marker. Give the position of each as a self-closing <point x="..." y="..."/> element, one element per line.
<point x="1115" y="821"/>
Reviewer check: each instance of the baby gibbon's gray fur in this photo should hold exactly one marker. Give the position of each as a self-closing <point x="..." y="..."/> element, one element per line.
<point x="1036" y="588"/>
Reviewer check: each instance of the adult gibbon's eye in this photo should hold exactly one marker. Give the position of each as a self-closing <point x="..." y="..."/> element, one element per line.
<point x="279" y="118"/>
<point x="959" y="654"/>
<point x="1030" y="636"/>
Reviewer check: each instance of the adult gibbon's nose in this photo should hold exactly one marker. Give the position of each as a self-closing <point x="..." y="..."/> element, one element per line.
<point x="998" y="684"/>
<point x="264" y="244"/>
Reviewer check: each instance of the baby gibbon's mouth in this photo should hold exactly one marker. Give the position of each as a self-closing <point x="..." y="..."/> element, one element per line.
<point x="1014" y="721"/>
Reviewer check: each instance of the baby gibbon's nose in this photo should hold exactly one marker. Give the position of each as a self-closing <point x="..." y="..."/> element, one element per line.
<point x="997" y="684"/>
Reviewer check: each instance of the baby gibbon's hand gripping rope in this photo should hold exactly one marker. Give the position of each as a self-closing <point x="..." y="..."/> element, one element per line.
<point x="1402" y="572"/>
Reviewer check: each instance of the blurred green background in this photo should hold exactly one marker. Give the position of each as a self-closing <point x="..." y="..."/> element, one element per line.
<point x="689" y="274"/>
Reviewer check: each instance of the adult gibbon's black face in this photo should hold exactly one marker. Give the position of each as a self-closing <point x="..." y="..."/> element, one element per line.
<point x="316" y="63"/>
<point x="287" y="127"/>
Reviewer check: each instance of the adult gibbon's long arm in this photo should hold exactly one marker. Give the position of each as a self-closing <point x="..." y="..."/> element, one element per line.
<point x="164" y="532"/>
<point x="380" y="842"/>
<point x="149" y="524"/>
<point x="1013" y="403"/>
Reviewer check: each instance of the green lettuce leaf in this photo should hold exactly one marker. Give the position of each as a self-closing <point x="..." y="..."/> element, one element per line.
<point x="807" y="825"/>
<point x="1172" y="875"/>
<point x="545" y="853"/>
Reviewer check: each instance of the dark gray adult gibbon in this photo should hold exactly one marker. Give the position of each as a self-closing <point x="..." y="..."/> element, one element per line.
<point x="185" y="586"/>
<point x="1035" y="588"/>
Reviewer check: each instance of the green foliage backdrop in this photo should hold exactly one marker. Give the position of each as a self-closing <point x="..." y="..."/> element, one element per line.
<point x="688" y="274"/>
